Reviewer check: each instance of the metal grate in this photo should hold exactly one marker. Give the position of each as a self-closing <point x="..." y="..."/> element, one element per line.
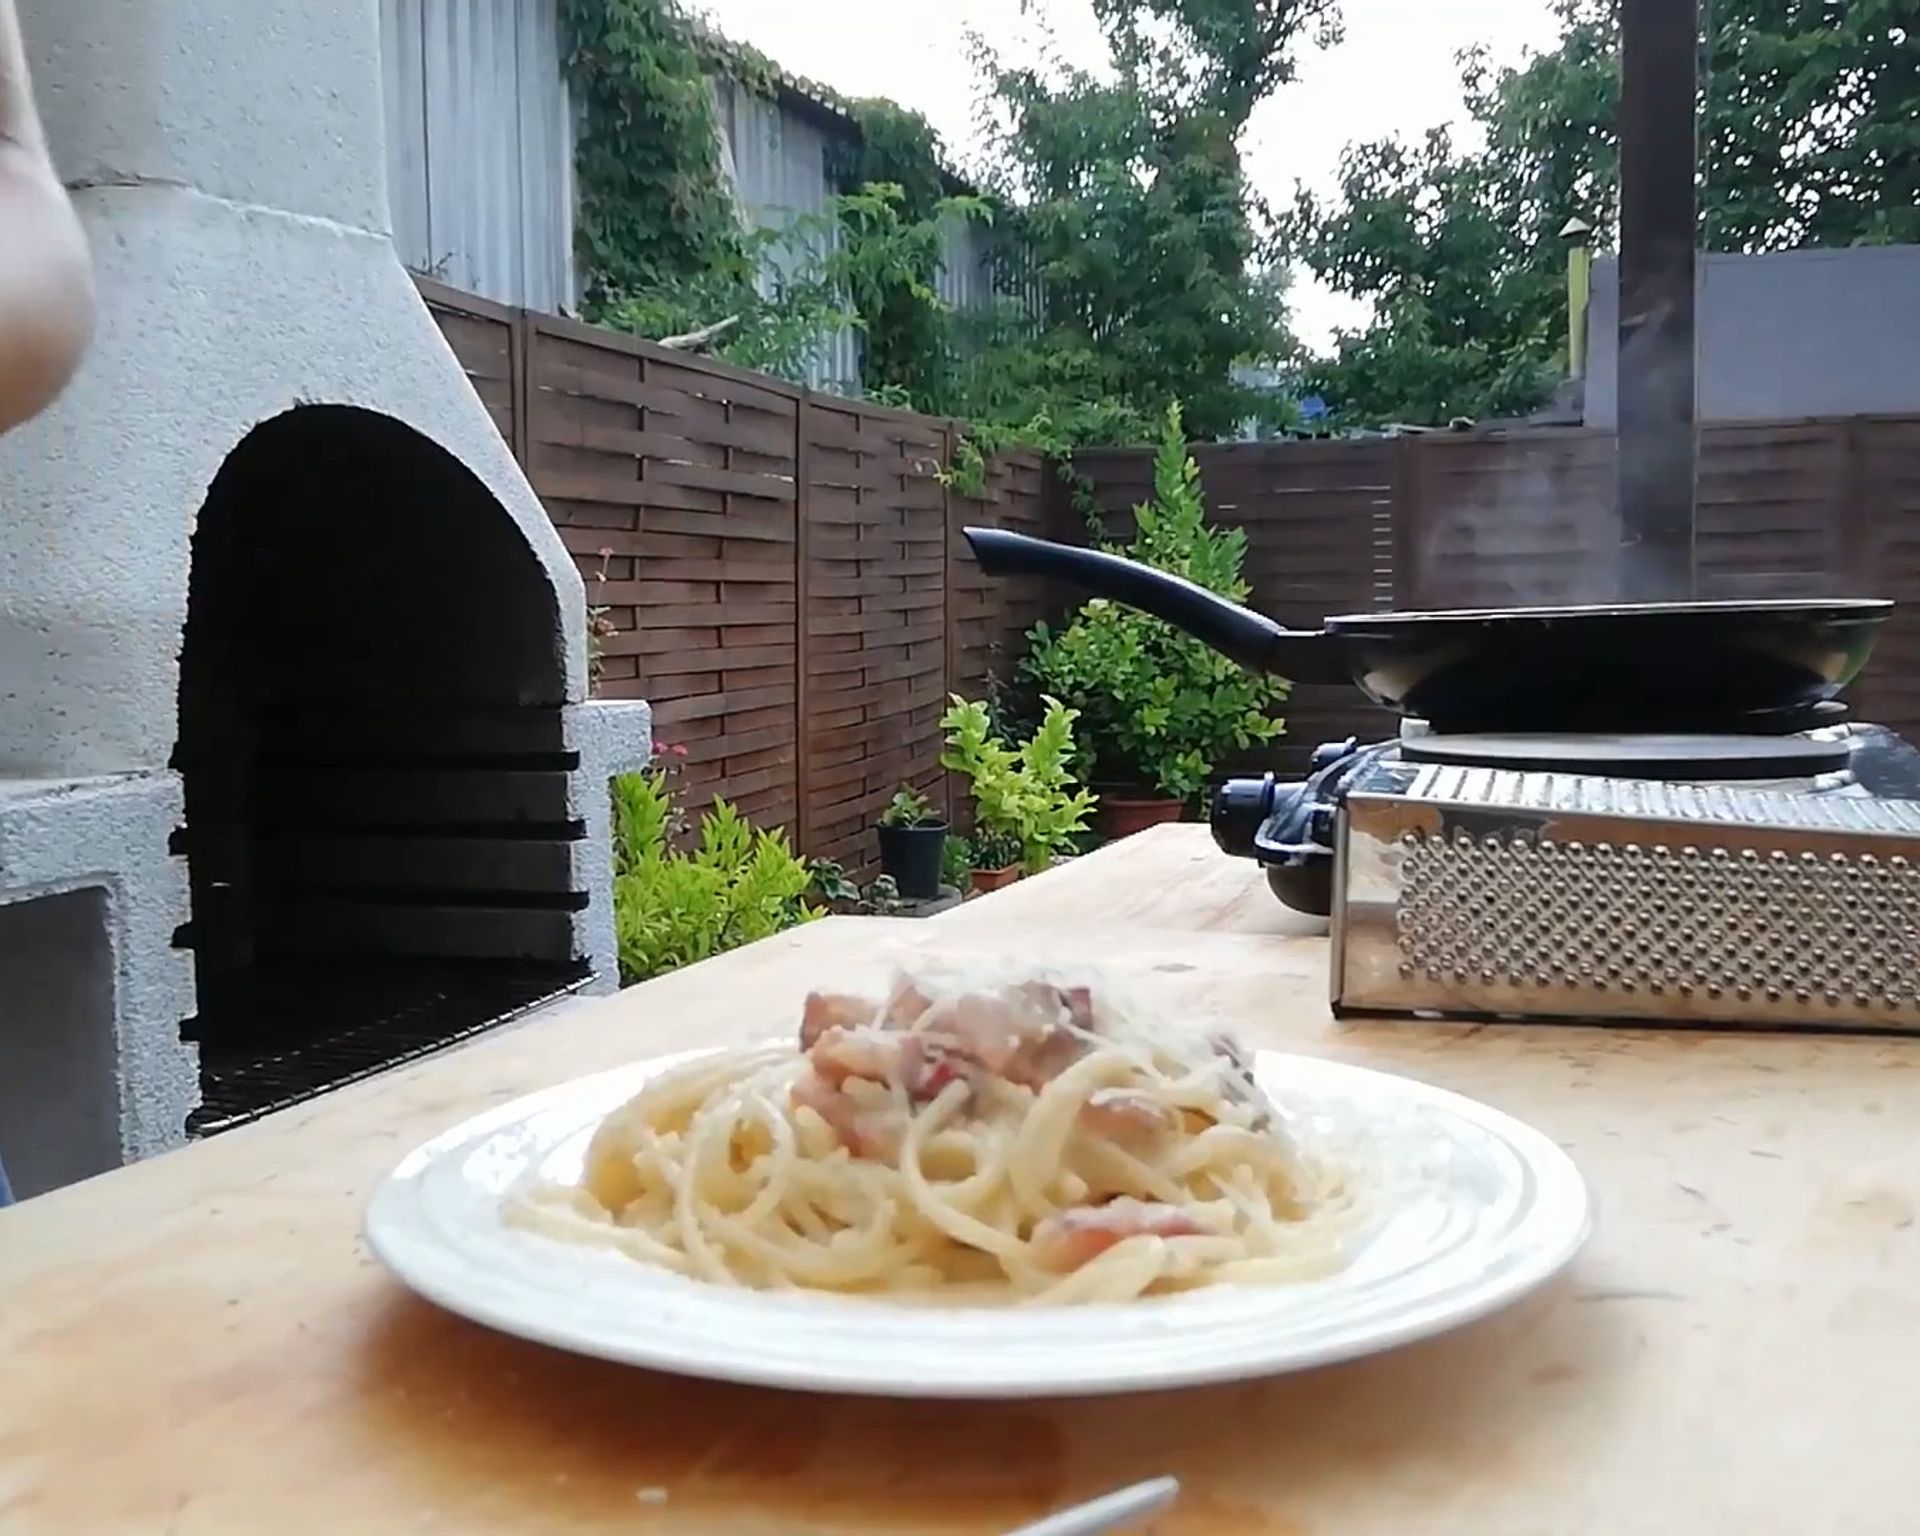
<point x="287" y="1032"/>
<point x="1653" y="800"/>
<point x="1836" y="929"/>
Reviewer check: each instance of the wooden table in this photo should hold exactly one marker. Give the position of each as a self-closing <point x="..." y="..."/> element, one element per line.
<point x="199" y="1344"/>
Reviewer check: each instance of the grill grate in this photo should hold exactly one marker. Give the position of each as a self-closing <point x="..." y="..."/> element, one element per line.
<point x="287" y="1032"/>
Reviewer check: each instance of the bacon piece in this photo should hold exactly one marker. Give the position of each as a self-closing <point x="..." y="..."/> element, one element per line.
<point x="843" y="1053"/>
<point x="832" y="1010"/>
<point x="868" y="1133"/>
<point x="1025" y="1034"/>
<point x="1126" y="1118"/>
<point x="927" y="1066"/>
<point x="1064" y="1242"/>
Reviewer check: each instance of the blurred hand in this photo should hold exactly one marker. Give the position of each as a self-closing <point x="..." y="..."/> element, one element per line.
<point x="46" y="277"/>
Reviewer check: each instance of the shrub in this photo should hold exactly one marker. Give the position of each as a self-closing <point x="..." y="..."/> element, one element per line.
<point x="1160" y="709"/>
<point x="672" y="908"/>
<point x="1026" y="802"/>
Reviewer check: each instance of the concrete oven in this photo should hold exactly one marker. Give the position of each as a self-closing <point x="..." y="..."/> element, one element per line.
<point x="297" y="774"/>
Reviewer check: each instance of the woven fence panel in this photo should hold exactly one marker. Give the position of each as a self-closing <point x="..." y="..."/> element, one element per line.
<point x="989" y="616"/>
<point x="1887" y="480"/>
<point x="485" y="337"/>
<point x="875" y="619"/>
<point x="1505" y="519"/>
<point x="1319" y="523"/>
<point x="1773" y="504"/>
<point x="672" y="483"/>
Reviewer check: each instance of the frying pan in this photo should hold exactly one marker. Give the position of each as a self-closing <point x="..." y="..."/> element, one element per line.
<point x="1631" y="667"/>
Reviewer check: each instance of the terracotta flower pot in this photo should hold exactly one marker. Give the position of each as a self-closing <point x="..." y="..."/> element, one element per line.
<point x="994" y="879"/>
<point x="1123" y="815"/>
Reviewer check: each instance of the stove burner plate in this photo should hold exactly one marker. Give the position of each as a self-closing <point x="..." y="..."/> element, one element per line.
<point x="1650" y="756"/>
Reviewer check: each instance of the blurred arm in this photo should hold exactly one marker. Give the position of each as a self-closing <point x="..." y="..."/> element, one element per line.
<point x="46" y="279"/>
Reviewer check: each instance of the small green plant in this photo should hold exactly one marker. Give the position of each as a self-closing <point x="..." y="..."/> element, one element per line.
<point x="838" y="891"/>
<point x="1160" y="708"/>
<point x="957" y="862"/>
<point x="910" y="808"/>
<point x="670" y="908"/>
<point x="994" y="850"/>
<point x="830" y="885"/>
<point x="1028" y="807"/>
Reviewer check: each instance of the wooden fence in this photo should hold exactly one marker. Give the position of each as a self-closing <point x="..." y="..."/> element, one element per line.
<point x="780" y="573"/>
<point x="784" y="577"/>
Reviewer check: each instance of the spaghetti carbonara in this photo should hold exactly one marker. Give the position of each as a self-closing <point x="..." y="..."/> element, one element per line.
<point x="963" y="1139"/>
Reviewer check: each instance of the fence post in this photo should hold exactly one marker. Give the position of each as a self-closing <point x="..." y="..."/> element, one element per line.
<point x="520" y="387"/>
<point x="802" y="659"/>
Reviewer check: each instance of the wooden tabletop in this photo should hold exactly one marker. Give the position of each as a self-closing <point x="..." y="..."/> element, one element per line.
<point x="199" y="1345"/>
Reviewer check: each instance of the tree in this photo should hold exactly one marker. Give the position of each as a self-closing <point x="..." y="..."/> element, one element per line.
<point x="1811" y="121"/>
<point x="1136" y="216"/>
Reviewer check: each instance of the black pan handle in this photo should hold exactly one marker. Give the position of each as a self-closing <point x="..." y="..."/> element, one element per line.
<point x="1240" y="634"/>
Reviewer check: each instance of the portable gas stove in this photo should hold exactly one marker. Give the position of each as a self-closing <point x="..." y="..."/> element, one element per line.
<point x="1766" y="874"/>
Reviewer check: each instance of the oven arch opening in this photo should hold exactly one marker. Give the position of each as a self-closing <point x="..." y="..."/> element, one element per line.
<point x="380" y="830"/>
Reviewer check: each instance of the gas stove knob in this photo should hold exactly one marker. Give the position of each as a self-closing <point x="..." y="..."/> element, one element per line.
<point x="1239" y="807"/>
<point x="1330" y="752"/>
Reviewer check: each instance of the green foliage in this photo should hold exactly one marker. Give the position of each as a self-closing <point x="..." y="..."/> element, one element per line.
<point x="1136" y="216"/>
<point x="830" y="884"/>
<point x="1160" y="708"/>
<point x="655" y="207"/>
<point x="1025" y="798"/>
<point x="672" y="908"/>
<point x="838" y="891"/>
<point x="1123" y="213"/>
<point x="957" y="861"/>
<point x="1810" y="138"/>
<point x="910" y="808"/>
<point x="887" y="261"/>
<point x="908" y="334"/>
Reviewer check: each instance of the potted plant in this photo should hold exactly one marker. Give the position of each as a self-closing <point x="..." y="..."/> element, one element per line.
<point x="913" y="838"/>
<point x="1028" y="808"/>
<point x="996" y="861"/>
<point x="1159" y="709"/>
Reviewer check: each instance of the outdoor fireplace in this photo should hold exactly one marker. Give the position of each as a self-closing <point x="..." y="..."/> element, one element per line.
<point x="296" y="773"/>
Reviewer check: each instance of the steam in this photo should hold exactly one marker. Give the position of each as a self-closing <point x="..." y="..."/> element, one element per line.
<point x="1658" y="453"/>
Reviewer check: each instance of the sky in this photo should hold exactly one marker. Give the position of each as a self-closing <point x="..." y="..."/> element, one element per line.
<point x="1393" y="73"/>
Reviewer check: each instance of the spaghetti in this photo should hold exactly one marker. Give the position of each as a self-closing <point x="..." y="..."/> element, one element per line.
<point x="960" y="1139"/>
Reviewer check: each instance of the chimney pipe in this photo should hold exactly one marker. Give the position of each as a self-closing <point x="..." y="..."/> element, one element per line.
<point x="1659" y="74"/>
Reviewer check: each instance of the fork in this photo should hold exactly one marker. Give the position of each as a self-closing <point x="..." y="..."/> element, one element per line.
<point x="1109" y="1512"/>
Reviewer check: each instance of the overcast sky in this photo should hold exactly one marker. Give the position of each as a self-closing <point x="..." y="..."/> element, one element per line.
<point x="1393" y="74"/>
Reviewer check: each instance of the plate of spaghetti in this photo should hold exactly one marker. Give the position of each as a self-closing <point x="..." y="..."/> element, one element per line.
<point x="980" y="1181"/>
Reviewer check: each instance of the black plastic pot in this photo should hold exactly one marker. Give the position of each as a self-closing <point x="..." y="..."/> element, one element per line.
<point x="912" y="855"/>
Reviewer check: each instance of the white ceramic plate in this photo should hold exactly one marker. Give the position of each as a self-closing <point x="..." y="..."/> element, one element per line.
<point x="1477" y="1210"/>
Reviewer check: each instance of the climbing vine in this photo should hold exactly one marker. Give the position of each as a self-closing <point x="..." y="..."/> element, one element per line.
<point x="655" y="206"/>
